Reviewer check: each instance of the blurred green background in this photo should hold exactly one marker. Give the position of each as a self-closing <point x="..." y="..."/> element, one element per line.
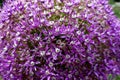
<point x="116" y="8"/>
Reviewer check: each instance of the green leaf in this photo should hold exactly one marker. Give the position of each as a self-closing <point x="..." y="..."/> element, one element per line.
<point x="117" y="78"/>
<point x="54" y="17"/>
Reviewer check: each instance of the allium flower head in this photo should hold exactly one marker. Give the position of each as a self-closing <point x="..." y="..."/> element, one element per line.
<point x="58" y="40"/>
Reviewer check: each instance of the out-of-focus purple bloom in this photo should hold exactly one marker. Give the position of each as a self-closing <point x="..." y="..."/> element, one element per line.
<point x="58" y="40"/>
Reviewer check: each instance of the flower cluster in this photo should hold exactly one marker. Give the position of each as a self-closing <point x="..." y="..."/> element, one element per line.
<point x="58" y="40"/>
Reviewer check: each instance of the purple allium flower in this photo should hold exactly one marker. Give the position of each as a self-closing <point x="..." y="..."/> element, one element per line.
<point x="58" y="40"/>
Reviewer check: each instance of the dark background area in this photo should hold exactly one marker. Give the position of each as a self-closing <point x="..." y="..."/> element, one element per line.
<point x="117" y="0"/>
<point x="1" y="1"/>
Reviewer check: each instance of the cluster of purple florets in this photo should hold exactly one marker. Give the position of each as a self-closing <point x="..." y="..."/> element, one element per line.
<point x="58" y="40"/>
